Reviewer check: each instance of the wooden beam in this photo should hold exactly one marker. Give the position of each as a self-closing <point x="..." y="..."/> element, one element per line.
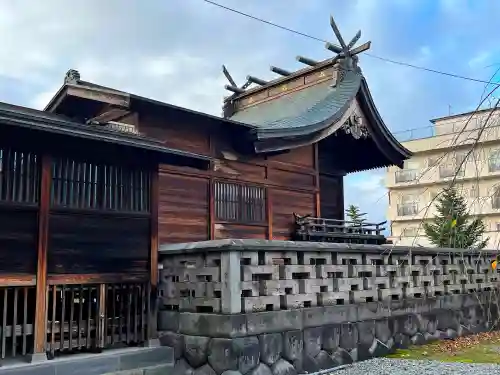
<point x="42" y="247"/>
<point x="98" y="94"/>
<point x="112" y="114"/>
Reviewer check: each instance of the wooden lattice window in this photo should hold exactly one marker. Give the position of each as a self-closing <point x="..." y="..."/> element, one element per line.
<point x="19" y="176"/>
<point x="86" y="185"/>
<point x="240" y="203"/>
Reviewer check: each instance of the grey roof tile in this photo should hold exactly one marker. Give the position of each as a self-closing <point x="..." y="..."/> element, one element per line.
<point x="302" y="108"/>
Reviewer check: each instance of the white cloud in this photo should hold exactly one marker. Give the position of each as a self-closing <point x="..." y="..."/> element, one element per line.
<point x="480" y="60"/>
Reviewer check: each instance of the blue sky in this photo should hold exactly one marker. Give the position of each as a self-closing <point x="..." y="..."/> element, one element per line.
<point x="173" y="50"/>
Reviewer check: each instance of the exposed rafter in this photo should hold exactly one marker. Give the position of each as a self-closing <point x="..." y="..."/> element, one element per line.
<point x="281" y="72"/>
<point x="256" y="80"/>
<point x="307" y="61"/>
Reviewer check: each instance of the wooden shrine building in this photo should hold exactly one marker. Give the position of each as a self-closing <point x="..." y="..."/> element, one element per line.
<point x="78" y="233"/>
<point x="90" y="187"/>
<point x="283" y="146"/>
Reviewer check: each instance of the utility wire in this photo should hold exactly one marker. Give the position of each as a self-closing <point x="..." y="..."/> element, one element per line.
<point x="401" y="63"/>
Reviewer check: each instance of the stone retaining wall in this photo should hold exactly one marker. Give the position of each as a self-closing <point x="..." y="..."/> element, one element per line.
<point x="311" y="339"/>
<point x="280" y="307"/>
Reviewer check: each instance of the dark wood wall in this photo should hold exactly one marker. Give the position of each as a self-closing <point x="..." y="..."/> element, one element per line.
<point x="99" y="218"/>
<point x="189" y="207"/>
<point x="19" y="201"/>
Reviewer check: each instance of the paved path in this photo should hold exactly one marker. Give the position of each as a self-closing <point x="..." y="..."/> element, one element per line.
<point x="386" y="366"/>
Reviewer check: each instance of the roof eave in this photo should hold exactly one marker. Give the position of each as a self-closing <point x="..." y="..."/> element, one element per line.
<point x="68" y="128"/>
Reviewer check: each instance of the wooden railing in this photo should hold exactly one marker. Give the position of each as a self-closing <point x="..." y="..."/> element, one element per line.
<point x="96" y="316"/>
<point x="308" y="228"/>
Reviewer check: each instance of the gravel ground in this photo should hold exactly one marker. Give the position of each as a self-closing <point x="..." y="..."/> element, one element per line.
<point x="386" y="366"/>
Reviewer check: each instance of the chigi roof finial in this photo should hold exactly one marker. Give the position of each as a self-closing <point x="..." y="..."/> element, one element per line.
<point x="346" y="51"/>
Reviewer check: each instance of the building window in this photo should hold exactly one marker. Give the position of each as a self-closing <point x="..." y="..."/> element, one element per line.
<point x="455" y="167"/>
<point x="494" y="161"/>
<point x="408" y="173"/>
<point x="495" y="199"/>
<point x="408" y="205"/>
<point x="19" y="176"/>
<point x="85" y="185"/>
<point x="409" y="232"/>
<point x="240" y="203"/>
<point x="474" y="191"/>
<point x="433" y="161"/>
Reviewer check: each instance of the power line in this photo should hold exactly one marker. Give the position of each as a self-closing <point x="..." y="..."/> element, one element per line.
<point x="401" y="63"/>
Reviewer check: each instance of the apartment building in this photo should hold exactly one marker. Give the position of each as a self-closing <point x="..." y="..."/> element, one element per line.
<point x="463" y="148"/>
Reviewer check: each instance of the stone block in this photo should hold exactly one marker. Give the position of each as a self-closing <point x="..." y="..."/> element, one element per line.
<point x="418" y="339"/>
<point x="173" y="340"/>
<point x="196" y="350"/>
<point x="348" y="336"/>
<point x="271" y="347"/>
<point x="366" y="332"/>
<point x="168" y="320"/>
<point x="325" y="361"/>
<point x="273" y="321"/>
<point x="342" y="357"/>
<point x="213" y="325"/>
<point x="313" y="341"/>
<point x="320" y="316"/>
<point x="222" y="355"/>
<point x="261" y="369"/>
<point x="181" y="367"/>
<point x="331" y="337"/>
<point x="373" y="310"/>
<point x="247" y="350"/>
<point x="293" y="345"/>
<point x="282" y="367"/>
<point x="204" y="370"/>
<point x="382" y="330"/>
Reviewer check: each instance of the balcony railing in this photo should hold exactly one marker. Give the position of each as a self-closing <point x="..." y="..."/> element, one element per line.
<point x="407" y="209"/>
<point x="406" y="175"/>
<point x="446" y="171"/>
<point x="495" y="202"/>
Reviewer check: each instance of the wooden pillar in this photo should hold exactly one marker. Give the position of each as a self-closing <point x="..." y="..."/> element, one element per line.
<point x="317" y="196"/>
<point x="153" y="256"/>
<point x="269" y="207"/>
<point x="154" y="207"/>
<point x="211" y="209"/>
<point x="40" y="332"/>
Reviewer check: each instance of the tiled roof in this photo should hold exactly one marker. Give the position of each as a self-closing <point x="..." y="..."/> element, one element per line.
<point x="309" y="108"/>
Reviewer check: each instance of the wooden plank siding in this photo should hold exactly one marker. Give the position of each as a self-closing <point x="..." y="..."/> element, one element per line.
<point x="188" y="197"/>
<point x="183" y="208"/>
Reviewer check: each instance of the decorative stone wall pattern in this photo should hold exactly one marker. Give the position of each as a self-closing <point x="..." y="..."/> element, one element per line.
<point x="233" y="276"/>
<point x="306" y="340"/>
